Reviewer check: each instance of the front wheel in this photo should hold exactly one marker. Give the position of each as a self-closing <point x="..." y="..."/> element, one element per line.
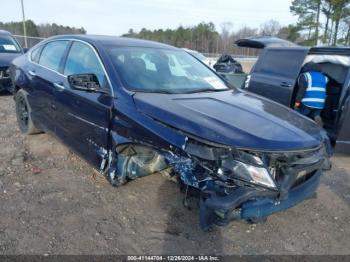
<point x="24" y="119"/>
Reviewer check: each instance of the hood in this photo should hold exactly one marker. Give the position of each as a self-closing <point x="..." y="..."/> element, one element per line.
<point x="264" y="41"/>
<point x="238" y="119"/>
<point x="6" y="58"/>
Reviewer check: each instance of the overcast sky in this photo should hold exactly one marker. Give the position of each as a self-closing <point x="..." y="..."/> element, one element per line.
<point x="115" y="17"/>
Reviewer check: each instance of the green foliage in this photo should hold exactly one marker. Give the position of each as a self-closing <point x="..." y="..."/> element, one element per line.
<point x="202" y="37"/>
<point x="311" y="14"/>
<point x="291" y="33"/>
<point x="41" y="30"/>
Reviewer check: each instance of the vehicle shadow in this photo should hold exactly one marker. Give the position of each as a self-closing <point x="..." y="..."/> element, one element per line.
<point x="5" y="93"/>
<point x="182" y="234"/>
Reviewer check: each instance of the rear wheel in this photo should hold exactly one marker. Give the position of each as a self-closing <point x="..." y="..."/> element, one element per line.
<point x="24" y="119"/>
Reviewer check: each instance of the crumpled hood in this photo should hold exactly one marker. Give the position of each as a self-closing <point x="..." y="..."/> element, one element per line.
<point x="6" y="58"/>
<point x="238" y="119"/>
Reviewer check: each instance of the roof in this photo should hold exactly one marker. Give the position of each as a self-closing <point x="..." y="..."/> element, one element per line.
<point x="264" y="41"/>
<point x="330" y="50"/>
<point x="114" y="40"/>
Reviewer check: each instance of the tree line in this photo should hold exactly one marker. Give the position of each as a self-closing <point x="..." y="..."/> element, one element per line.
<point x="325" y="22"/>
<point x="205" y="37"/>
<point x="40" y="30"/>
<point x="322" y="21"/>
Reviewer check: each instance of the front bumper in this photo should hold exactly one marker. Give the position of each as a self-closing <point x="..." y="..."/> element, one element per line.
<point x="249" y="203"/>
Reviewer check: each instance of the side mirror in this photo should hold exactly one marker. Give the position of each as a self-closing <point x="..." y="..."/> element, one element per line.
<point x="25" y="50"/>
<point x="85" y="82"/>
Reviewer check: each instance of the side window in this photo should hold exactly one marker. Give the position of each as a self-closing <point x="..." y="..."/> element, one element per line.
<point x="35" y="54"/>
<point x="83" y="60"/>
<point x="52" y="54"/>
<point x="280" y="62"/>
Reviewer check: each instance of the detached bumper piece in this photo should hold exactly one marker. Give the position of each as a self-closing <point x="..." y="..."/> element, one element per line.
<point x="248" y="203"/>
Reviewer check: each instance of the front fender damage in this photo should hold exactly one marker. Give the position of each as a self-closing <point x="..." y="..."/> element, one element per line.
<point x="206" y="169"/>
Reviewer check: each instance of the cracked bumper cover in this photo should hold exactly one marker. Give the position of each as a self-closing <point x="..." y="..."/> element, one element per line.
<point x="249" y="203"/>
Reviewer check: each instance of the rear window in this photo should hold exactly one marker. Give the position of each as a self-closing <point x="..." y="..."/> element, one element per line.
<point x="52" y="54"/>
<point x="280" y="62"/>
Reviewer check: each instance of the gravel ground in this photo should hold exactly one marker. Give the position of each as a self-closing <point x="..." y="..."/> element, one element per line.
<point x="51" y="203"/>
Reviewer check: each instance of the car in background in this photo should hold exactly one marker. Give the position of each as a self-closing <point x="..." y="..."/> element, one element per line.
<point x="231" y="70"/>
<point x="133" y="108"/>
<point x="9" y="49"/>
<point x="276" y="71"/>
<point x="226" y="64"/>
<point x="206" y="60"/>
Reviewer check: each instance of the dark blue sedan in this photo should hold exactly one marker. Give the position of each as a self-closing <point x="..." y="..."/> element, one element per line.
<point x="132" y="108"/>
<point x="9" y="49"/>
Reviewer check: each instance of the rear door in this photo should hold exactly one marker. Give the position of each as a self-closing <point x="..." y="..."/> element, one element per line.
<point x="44" y="73"/>
<point x="276" y="72"/>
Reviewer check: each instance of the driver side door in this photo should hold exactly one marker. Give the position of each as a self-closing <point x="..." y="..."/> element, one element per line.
<point x="83" y="117"/>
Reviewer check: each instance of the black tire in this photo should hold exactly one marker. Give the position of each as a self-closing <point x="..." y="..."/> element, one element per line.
<point x="23" y="109"/>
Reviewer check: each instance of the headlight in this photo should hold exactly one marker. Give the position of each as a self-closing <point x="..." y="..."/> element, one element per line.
<point x="249" y="167"/>
<point x="252" y="174"/>
<point x="250" y="158"/>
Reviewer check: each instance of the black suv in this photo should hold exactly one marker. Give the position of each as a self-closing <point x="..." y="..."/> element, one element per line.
<point x="276" y="71"/>
<point x="9" y="49"/>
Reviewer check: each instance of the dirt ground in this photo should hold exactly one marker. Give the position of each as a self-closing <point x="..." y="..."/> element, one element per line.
<point x="50" y="203"/>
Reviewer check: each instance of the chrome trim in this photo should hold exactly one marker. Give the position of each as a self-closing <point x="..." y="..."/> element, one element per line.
<point x="88" y="122"/>
<point x="59" y="86"/>
<point x="77" y="40"/>
<point x="31" y="72"/>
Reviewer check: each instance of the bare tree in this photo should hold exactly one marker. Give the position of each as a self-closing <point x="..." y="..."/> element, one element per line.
<point x="270" y="28"/>
<point x="226" y="28"/>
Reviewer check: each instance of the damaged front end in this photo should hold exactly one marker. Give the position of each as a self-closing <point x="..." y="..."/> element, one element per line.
<point x="243" y="184"/>
<point x="231" y="183"/>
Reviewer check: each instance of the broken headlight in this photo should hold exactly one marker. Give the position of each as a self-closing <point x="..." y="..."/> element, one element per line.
<point x="252" y="174"/>
<point x="233" y="164"/>
<point x="249" y="168"/>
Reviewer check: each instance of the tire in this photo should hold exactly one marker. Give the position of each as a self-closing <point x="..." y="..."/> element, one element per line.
<point x="23" y="110"/>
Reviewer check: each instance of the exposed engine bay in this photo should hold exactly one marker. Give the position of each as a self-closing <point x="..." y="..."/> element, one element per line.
<point x="224" y="180"/>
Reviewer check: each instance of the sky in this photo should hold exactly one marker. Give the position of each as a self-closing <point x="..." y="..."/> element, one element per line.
<point x="115" y="17"/>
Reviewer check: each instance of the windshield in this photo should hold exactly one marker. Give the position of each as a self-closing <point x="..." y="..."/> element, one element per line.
<point x="198" y="56"/>
<point x="8" y="45"/>
<point x="163" y="70"/>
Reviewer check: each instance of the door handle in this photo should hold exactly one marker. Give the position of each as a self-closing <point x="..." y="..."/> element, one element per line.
<point x="32" y="72"/>
<point x="59" y="86"/>
<point x="285" y="84"/>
